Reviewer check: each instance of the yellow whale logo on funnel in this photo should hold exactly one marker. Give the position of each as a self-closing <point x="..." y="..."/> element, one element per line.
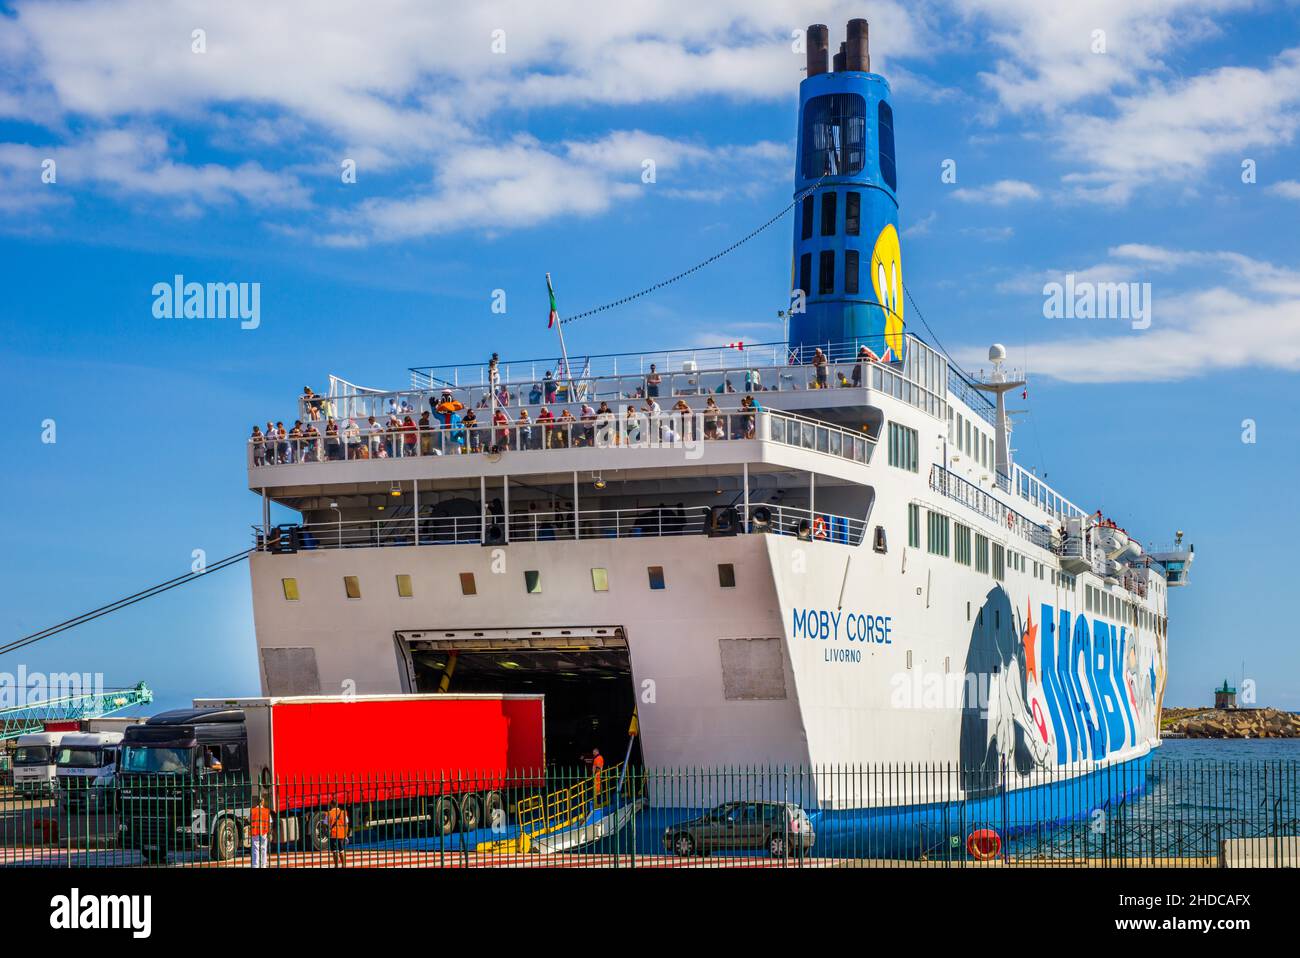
<point x="887" y="280"/>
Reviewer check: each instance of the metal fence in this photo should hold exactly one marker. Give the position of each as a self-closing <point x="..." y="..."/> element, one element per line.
<point x="1148" y="813"/>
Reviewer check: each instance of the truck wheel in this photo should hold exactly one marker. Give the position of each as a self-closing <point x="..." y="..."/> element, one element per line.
<point x="225" y="839"/>
<point x="471" y="813"/>
<point x="494" y="809"/>
<point x="317" y="835"/>
<point x="444" y="816"/>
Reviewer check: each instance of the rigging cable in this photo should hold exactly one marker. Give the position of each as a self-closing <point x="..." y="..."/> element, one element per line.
<point x="123" y="602"/>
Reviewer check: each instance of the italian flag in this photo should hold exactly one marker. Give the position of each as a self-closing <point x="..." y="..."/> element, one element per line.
<point x="550" y="291"/>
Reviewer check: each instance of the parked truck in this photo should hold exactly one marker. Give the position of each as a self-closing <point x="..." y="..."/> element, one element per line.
<point x="85" y="770"/>
<point x="188" y="778"/>
<point x="35" y="761"/>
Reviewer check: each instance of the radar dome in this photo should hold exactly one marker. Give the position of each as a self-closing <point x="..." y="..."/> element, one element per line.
<point x="997" y="353"/>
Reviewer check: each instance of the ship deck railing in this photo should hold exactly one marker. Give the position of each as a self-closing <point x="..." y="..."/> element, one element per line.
<point x="668" y="430"/>
<point x="989" y="506"/>
<point x="539" y="526"/>
<point x="757" y="370"/>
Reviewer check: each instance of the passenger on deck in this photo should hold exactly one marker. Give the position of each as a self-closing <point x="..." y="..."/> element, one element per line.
<point x="332" y="448"/>
<point x="605" y="430"/>
<point x="281" y="442"/>
<point x="525" y="424"/>
<point x="864" y="356"/>
<point x="473" y="441"/>
<point x="684" y="419"/>
<point x="258" y="442"/>
<point x="565" y="435"/>
<point x="652" y="382"/>
<point x="632" y="421"/>
<point x="587" y="434"/>
<point x="310" y="403"/>
<point x="295" y="442"/>
<point x="502" y="431"/>
<point x="712" y="419"/>
<point x="549" y="387"/>
<point x="351" y="438"/>
<point x="819" y="367"/>
<point x="375" y="436"/>
<point x="426" y="434"/>
<point x="546" y="424"/>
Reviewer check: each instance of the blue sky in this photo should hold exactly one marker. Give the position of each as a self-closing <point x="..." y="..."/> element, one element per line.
<point x="480" y="170"/>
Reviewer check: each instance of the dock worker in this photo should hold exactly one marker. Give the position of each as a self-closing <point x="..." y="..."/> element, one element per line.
<point x="597" y="767"/>
<point x="259" y="831"/>
<point x="337" y="820"/>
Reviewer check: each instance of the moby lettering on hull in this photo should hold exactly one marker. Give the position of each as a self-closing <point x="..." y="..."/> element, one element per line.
<point x="841" y="626"/>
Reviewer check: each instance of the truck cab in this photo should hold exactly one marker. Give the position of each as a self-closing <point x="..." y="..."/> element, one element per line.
<point x="184" y="784"/>
<point x="35" y="763"/>
<point x="86" y="764"/>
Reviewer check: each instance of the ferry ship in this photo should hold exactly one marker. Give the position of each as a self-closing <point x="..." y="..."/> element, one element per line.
<point x="820" y="553"/>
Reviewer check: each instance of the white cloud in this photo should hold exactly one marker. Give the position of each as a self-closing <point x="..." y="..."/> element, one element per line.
<point x="1000" y="193"/>
<point x="1236" y="312"/>
<point x="1287" y="188"/>
<point x="492" y="188"/>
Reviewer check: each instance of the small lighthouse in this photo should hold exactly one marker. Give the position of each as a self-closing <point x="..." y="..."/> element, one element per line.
<point x="1225" y="697"/>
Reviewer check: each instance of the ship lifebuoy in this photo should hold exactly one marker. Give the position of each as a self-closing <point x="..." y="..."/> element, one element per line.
<point x="1011" y="520"/>
<point x="819" y="528"/>
<point x="984" y="844"/>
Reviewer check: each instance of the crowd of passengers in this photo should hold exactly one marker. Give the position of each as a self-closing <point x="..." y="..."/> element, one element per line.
<point x="448" y="426"/>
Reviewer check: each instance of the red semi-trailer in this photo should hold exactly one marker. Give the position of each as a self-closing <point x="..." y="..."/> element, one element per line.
<point x="448" y="759"/>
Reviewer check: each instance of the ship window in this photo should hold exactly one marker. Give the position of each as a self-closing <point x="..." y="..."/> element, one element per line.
<point x="533" y="581"/>
<point x="888" y="172"/>
<point x="999" y="563"/>
<point x="806" y="226"/>
<point x="961" y="543"/>
<point x="726" y="575"/>
<point x="467" y="586"/>
<point x="852" y="213"/>
<point x="914" y="526"/>
<point x="981" y="552"/>
<point x="850" y="271"/>
<point x="936" y="540"/>
<point x="835" y="135"/>
<point x="656" y="577"/>
<point x="352" y="586"/>
<point x="826" y="273"/>
<point x="805" y="273"/>
<point x="290" y="587"/>
<point x="828" y="213"/>
<point x="404" y="590"/>
<point x="600" y="580"/>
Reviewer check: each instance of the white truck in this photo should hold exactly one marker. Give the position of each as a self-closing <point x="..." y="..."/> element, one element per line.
<point x="35" y="761"/>
<point x="86" y="764"/>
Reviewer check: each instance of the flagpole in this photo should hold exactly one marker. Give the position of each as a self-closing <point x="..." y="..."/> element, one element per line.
<point x="564" y="352"/>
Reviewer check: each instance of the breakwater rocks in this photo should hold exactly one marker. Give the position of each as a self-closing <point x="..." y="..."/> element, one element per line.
<point x="1229" y="723"/>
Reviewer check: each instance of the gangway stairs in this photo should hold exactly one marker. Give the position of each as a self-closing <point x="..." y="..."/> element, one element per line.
<point x="570" y="817"/>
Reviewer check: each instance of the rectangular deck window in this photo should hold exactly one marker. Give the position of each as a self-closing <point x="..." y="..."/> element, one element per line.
<point x="851" y="271"/>
<point x="936" y="540"/>
<point x="826" y="273"/>
<point x="806" y="218"/>
<point x="852" y="213"/>
<point x="999" y="562"/>
<point x="726" y="575"/>
<point x="981" y="553"/>
<point x="961" y="543"/>
<point x="914" y="526"/>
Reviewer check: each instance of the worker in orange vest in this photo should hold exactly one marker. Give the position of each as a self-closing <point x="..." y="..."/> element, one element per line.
<point x="337" y="819"/>
<point x="597" y="766"/>
<point x="259" y="830"/>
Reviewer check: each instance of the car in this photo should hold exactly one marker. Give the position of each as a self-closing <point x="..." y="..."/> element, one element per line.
<point x="780" y="828"/>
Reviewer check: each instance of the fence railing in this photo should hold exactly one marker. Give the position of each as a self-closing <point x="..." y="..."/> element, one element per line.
<point x="990" y="507"/>
<point x="543" y="526"/>
<point x="686" y="431"/>
<point x="1149" y="813"/>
